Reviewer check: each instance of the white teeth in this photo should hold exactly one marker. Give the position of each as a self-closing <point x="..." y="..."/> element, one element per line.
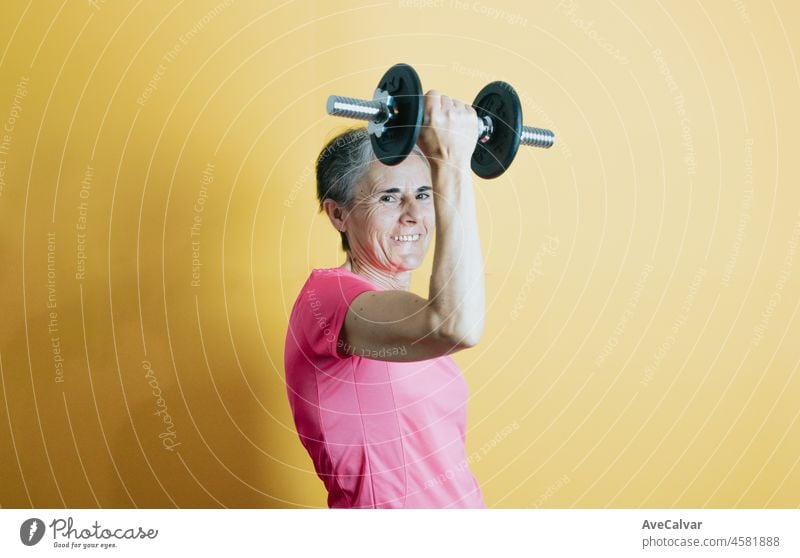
<point x="406" y="238"/>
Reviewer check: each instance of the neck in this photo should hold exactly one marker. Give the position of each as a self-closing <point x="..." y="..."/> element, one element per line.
<point x="399" y="281"/>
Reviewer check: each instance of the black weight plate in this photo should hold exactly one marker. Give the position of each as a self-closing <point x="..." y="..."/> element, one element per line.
<point x="402" y="130"/>
<point x="499" y="101"/>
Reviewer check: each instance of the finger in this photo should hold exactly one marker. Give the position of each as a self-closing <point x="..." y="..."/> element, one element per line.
<point x="462" y="106"/>
<point x="440" y="98"/>
<point x="434" y="95"/>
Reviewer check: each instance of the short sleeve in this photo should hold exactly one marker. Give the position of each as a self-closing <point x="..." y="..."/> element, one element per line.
<point x="325" y="300"/>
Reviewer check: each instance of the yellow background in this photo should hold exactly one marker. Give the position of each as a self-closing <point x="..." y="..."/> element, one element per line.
<point x="643" y="274"/>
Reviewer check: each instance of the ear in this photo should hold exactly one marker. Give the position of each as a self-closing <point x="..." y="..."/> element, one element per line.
<point x="336" y="213"/>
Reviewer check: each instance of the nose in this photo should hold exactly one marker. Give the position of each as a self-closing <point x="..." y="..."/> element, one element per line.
<point x="411" y="212"/>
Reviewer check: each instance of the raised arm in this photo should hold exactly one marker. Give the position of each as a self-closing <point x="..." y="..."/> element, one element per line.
<point x="398" y="325"/>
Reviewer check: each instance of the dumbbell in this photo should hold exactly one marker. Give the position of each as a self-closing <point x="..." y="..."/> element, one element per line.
<point x="394" y="119"/>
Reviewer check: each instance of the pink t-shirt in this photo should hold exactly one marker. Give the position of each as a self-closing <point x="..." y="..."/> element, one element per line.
<point x="381" y="434"/>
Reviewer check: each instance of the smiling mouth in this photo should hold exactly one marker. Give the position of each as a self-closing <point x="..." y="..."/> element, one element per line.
<point x="406" y="238"/>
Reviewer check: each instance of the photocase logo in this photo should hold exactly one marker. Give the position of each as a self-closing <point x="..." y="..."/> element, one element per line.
<point x="31" y="531"/>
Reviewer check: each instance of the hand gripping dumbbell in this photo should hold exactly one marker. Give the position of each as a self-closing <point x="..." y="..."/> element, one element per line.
<point x="394" y="117"/>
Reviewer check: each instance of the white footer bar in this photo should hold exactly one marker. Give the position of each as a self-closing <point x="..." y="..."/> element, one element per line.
<point x="401" y="533"/>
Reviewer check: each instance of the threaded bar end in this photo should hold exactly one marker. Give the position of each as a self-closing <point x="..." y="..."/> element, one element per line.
<point x="537" y="137"/>
<point x="358" y="109"/>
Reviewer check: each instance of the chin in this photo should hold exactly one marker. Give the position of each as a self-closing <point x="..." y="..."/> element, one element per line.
<point x="409" y="263"/>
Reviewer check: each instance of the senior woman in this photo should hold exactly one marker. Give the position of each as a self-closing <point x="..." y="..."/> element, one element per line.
<point x="377" y="401"/>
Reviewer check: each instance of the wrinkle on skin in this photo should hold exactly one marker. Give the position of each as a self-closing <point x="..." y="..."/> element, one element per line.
<point x="389" y="201"/>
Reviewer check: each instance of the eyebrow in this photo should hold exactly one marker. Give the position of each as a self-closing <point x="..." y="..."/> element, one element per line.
<point x="397" y="190"/>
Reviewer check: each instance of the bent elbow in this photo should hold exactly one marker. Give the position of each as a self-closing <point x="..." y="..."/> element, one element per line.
<point x="465" y="338"/>
<point x="470" y="340"/>
<point x="454" y="334"/>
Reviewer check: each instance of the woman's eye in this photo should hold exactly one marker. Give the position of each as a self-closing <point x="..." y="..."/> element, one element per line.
<point x="387" y="198"/>
<point x="424" y="196"/>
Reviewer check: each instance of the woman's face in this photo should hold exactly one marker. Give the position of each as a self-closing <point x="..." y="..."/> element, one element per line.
<point x="390" y="222"/>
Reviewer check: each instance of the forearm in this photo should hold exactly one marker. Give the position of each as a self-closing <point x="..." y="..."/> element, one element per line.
<point x="457" y="291"/>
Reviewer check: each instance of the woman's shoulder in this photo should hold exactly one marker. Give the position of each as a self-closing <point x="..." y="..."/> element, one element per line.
<point x="327" y="290"/>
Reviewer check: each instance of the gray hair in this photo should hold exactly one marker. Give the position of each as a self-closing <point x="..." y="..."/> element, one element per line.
<point x="341" y="163"/>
